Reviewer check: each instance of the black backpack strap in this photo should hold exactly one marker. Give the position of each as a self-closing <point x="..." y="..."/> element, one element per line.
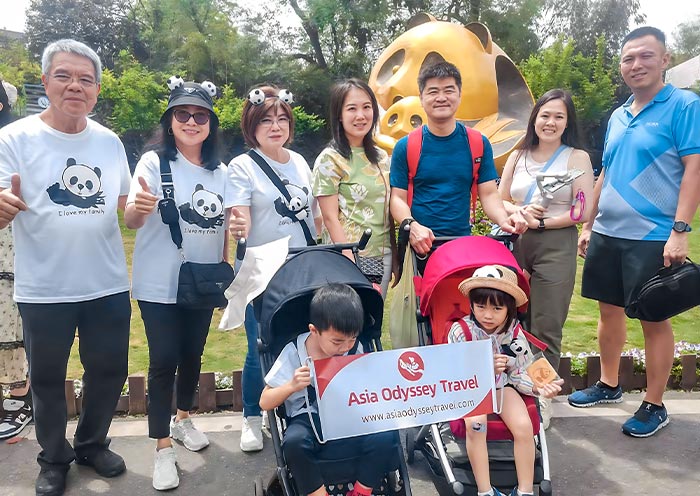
<point x="168" y="210"/>
<point x="265" y="167"/>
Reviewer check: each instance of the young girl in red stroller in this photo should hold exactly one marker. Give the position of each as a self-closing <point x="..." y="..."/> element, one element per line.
<point x="494" y="297"/>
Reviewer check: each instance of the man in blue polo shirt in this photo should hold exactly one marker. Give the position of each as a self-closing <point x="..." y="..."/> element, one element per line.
<point x="645" y="198"/>
<point x="441" y="193"/>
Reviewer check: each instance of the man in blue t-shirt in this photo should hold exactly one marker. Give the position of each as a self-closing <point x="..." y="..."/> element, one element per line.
<point x="442" y="185"/>
<point x="645" y="198"/>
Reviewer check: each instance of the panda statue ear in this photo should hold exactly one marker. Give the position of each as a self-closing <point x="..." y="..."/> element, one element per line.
<point x="175" y="82"/>
<point x="209" y="87"/>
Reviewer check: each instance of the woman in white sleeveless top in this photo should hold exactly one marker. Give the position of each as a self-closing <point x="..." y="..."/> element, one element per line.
<point x="547" y="250"/>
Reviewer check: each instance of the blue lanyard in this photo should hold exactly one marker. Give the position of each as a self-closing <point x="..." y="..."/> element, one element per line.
<point x="549" y="163"/>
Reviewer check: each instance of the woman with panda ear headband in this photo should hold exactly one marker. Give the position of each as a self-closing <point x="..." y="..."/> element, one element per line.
<point x="188" y="139"/>
<point x="268" y="126"/>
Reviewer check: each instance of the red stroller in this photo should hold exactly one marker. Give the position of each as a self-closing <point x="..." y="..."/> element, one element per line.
<point x="439" y="301"/>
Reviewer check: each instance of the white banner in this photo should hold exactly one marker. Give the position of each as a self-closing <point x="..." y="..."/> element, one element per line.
<point x="388" y="390"/>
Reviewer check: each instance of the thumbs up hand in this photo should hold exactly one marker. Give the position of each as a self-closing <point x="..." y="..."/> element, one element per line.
<point x="145" y="201"/>
<point x="11" y="202"/>
<point x="239" y="222"/>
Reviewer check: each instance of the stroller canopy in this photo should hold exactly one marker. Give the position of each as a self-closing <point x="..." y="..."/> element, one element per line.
<point x="283" y="309"/>
<point x="447" y="267"/>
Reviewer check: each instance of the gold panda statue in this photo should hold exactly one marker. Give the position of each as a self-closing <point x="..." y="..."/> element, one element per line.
<point x="495" y="98"/>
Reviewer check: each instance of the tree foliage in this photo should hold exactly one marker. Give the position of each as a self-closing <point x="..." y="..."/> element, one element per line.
<point x="585" y="21"/>
<point x="132" y="97"/>
<point x="686" y="43"/>
<point x="590" y="82"/>
<point x="101" y="24"/>
<point x="17" y="65"/>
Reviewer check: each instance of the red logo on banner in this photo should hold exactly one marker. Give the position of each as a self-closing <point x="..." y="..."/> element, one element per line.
<point x="411" y="366"/>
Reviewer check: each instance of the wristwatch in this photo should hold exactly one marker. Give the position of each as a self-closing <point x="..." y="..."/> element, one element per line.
<point x="406" y="224"/>
<point x="681" y="227"/>
<point x="541" y="226"/>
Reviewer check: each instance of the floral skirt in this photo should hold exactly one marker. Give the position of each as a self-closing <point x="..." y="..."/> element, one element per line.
<point x="13" y="362"/>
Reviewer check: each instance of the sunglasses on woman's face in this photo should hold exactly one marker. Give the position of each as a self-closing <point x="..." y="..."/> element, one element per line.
<point x="183" y="116"/>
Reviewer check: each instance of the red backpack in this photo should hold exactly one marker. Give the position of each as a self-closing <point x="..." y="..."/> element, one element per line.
<point x="413" y="151"/>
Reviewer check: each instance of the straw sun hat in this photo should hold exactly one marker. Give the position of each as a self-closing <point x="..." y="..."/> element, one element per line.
<point x="495" y="277"/>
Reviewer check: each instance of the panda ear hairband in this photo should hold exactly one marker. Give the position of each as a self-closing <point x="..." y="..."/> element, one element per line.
<point x="177" y="82"/>
<point x="257" y="96"/>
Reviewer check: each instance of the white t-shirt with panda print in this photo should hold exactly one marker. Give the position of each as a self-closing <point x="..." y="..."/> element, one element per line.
<point x="200" y="196"/>
<point x="272" y="217"/>
<point x="68" y="246"/>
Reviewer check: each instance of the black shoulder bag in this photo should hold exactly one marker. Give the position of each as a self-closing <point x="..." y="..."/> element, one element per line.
<point x="672" y="290"/>
<point x="310" y="241"/>
<point x="199" y="285"/>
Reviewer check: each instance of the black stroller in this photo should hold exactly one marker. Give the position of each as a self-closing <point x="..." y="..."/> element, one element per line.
<point x="283" y="313"/>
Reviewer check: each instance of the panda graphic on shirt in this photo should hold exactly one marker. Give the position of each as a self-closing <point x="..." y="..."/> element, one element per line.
<point x="206" y="209"/>
<point x="297" y="208"/>
<point x="80" y="186"/>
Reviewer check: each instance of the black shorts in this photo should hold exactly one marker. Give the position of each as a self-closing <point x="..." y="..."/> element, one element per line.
<point x="616" y="268"/>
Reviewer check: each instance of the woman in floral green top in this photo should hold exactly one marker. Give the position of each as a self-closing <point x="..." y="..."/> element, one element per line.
<point x="351" y="179"/>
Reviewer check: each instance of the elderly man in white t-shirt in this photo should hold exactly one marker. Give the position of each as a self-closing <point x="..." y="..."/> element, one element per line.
<point x="62" y="179"/>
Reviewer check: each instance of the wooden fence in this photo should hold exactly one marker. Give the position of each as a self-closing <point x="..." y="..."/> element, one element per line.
<point x="211" y="399"/>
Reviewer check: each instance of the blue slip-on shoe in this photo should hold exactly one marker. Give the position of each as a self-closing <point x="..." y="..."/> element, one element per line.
<point x="595" y="395"/>
<point x="646" y="421"/>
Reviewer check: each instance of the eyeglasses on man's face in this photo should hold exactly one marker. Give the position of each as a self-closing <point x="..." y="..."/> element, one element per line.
<point x="86" y="82"/>
<point x="183" y="116"/>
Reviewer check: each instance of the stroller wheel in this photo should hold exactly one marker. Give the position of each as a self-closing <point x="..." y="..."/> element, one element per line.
<point x="545" y="488"/>
<point x="458" y="487"/>
<point x="410" y="446"/>
<point x="259" y="487"/>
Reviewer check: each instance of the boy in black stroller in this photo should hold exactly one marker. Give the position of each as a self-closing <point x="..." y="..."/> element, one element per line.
<point x="336" y="319"/>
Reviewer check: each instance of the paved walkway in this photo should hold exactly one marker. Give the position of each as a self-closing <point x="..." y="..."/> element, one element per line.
<point x="589" y="456"/>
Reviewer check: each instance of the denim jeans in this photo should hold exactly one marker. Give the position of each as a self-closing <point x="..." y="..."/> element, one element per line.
<point x="252" y="382"/>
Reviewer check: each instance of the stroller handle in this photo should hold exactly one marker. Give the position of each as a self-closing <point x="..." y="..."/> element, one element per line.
<point x="501" y="237"/>
<point x="240" y="249"/>
<point x="361" y="244"/>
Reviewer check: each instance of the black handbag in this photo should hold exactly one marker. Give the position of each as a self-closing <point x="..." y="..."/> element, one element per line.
<point x="672" y="290"/>
<point x="202" y="285"/>
<point x="199" y="285"/>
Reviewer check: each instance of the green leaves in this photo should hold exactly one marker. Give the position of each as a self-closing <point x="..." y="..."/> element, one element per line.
<point x="589" y="80"/>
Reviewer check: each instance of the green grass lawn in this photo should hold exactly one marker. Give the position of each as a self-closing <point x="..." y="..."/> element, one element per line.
<point x="225" y="351"/>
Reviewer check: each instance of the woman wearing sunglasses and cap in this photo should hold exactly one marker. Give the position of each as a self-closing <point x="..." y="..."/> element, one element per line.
<point x="267" y="213"/>
<point x="187" y="139"/>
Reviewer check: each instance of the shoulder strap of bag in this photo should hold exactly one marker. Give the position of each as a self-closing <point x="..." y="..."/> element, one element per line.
<point x="529" y="337"/>
<point x="166" y="182"/>
<point x="275" y="179"/>
<point x="476" y="148"/>
<point x="546" y="167"/>
<point x="413" y="151"/>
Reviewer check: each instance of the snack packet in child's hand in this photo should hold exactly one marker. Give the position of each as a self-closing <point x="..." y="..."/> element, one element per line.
<point x="541" y="371"/>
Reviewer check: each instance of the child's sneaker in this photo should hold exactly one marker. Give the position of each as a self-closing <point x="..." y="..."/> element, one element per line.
<point x="515" y="492"/>
<point x="18" y="413"/>
<point x="165" y="470"/>
<point x="595" y="395"/>
<point x="646" y="421"/>
<point x="185" y="431"/>
<point x="251" y="433"/>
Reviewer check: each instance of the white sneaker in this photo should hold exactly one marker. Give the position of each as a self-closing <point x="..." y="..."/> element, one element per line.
<point x="546" y="411"/>
<point x="165" y="470"/>
<point x="184" y="430"/>
<point x="251" y="434"/>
